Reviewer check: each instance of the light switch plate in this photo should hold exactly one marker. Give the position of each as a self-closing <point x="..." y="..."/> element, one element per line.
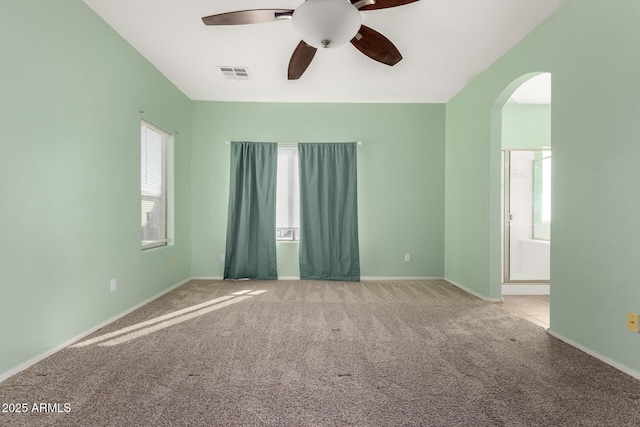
<point x="632" y="322"/>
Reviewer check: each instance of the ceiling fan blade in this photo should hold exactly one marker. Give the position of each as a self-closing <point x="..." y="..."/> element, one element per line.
<point x="376" y="46"/>
<point x="300" y="60"/>
<point x="254" y="16"/>
<point x="384" y="4"/>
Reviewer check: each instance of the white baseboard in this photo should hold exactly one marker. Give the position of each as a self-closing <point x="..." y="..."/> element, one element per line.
<point x="208" y="278"/>
<point x="474" y="293"/>
<point x="40" y="357"/>
<point x="364" y="278"/>
<point x="383" y="278"/>
<point x="619" y="366"/>
<point x="526" y="289"/>
<point x="374" y="278"/>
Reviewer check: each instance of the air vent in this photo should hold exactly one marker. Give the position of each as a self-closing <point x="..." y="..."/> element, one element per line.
<point x="236" y="73"/>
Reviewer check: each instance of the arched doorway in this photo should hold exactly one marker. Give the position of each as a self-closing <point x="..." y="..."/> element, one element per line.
<point x="520" y="198"/>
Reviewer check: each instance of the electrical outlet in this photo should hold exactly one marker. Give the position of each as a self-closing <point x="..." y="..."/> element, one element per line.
<point x="114" y="285"/>
<point x="221" y="257"/>
<point x="632" y="322"/>
<point x="407" y="257"/>
<point x="172" y="263"/>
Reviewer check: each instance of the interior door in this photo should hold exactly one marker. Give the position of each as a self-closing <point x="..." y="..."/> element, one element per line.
<point x="527" y="216"/>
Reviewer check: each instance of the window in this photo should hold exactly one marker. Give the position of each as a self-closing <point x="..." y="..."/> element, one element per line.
<point x="287" y="203"/>
<point x="154" y="147"/>
<point x="542" y="196"/>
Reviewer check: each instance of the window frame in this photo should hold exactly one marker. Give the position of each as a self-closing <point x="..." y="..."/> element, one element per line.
<point x="165" y="191"/>
<point x="290" y="233"/>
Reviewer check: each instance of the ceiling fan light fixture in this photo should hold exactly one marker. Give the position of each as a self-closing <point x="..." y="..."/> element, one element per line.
<point x="326" y="23"/>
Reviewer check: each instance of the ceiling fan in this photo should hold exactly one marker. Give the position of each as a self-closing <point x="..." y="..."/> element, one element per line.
<point x="323" y="24"/>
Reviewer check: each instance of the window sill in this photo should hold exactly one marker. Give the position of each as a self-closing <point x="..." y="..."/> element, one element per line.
<point x="156" y="244"/>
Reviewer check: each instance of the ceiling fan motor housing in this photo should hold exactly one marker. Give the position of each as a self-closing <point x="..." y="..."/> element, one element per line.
<point x="327" y="23"/>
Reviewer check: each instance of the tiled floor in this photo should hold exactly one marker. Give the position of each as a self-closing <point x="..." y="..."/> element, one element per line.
<point x="534" y="308"/>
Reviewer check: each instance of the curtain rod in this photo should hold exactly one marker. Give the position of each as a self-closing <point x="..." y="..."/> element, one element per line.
<point x="296" y="143"/>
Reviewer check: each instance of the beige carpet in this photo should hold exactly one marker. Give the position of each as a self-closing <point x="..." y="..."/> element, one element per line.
<point x="321" y="354"/>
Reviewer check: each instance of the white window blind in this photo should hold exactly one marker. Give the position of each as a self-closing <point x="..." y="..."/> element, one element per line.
<point x="153" y="184"/>
<point x="287" y="204"/>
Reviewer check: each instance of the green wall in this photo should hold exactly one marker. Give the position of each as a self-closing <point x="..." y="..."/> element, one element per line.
<point x="589" y="48"/>
<point x="400" y="178"/>
<point x="526" y="126"/>
<point x="71" y="92"/>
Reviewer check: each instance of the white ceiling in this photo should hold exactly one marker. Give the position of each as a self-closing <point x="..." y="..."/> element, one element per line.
<point x="536" y="90"/>
<point x="444" y="43"/>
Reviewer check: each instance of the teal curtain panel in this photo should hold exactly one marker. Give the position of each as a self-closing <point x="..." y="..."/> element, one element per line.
<point x="251" y="223"/>
<point x="328" y="211"/>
